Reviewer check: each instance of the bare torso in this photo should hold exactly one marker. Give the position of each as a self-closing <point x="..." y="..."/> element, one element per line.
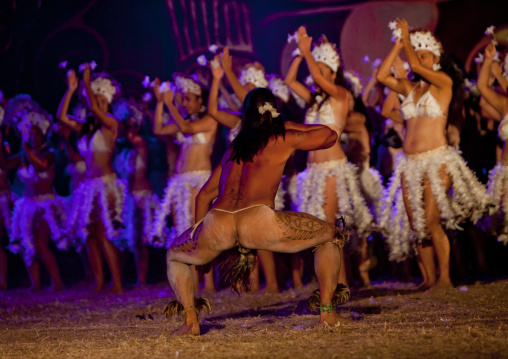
<point x="340" y="110"/>
<point x="426" y="133"/>
<point x="250" y="183"/>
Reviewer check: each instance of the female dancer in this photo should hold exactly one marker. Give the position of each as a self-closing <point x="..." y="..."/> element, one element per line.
<point x="329" y="187"/>
<point x="39" y="214"/>
<point x="498" y="176"/>
<point x="196" y="136"/>
<point x="419" y="188"/>
<point x="140" y="203"/>
<point x="98" y="201"/>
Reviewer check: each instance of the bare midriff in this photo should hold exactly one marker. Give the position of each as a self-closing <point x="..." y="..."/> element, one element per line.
<point x="194" y="157"/>
<point x="99" y="164"/>
<point x="424" y="134"/>
<point x="41" y="185"/>
<point x="329" y="154"/>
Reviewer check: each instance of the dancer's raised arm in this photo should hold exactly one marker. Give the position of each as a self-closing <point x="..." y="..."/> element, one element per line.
<point x="99" y="109"/>
<point x="225" y="118"/>
<point x="491" y="96"/>
<point x="291" y="81"/>
<point x="227" y="65"/>
<point x="74" y="123"/>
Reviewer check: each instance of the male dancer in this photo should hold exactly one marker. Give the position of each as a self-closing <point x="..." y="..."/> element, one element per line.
<point x="244" y="187"/>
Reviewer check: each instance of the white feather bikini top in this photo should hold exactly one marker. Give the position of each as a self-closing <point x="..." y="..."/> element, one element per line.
<point x="426" y="106"/>
<point x="94" y="145"/>
<point x="28" y="173"/>
<point x="322" y="117"/>
<point x="192" y="139"/>
<point x="503" y="128"/>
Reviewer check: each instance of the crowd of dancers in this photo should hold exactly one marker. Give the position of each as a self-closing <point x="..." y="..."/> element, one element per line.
<point x="112" y="206"/>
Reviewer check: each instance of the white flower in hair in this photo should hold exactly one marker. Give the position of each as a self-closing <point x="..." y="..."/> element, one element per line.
<point x="213" y="48"/>
<point x="268" y="107"/>
<point x="40" y="119"/>
<point x="146" y="82"/>
<point x="147" y="97"/>
<point x="396" y="32"/>
<point x="164" y="87"/>
<point x="490" y="30"/>
<point x="365" y="59"/>
<point x="186" y="84"/>
<point x="326" y="53"/>
<point x="471" y="87"/>
<point x="355" y="83"/>
<point x="425" y="41"/>
<point x="253" y="76"/>
<point x="63" y="64"/>
<point x="103" y="86"/>
<point x="376" y="63"/>
<point x="278" y="87"/>
<point x="202" y="60"/>
<point x="92" y="64"/>
<point x="293" y="38"/>
<point x="124" y="110"/>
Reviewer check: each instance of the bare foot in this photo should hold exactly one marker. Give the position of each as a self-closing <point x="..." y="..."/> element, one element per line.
<point x="192" y="329"/>
<point x="332" y="319"/>
<point x="271" y="289"/>
<point x="57" y="287"/>
<point x="440" y="286"/>
<point x="117" y="290"/>
<point x="35" y="288"/>
<point x="98" y="288"/>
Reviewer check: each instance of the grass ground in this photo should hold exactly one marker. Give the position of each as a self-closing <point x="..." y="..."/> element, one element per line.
<point x="390" y="322"/>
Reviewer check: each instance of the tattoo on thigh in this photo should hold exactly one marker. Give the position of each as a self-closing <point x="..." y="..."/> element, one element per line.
<point x="299" y="226"/>
<point x="186" y="243"/>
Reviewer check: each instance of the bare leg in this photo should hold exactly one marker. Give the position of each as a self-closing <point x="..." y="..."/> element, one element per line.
<point x="41" y="238"/>
<point x="195" y="277"/>
<point x="425" y="259"/>
<point x="209" y="286"/>
<point x="330" y="207"/>
<point x="34" y="270"/>
<point x="141" y="257"/>
<point x="184" y="252"/>
<point x="440" y="241"/>
<point x="267" y="262"/>
<point x="254" y="278"/>
<point x="296" y="269"/>
<point x="95" y="255"/>
<point x="364" y="265"/>
<point x="111" y="254"/>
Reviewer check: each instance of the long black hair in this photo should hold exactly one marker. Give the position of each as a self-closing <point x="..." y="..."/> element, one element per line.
<point x="256" y="129"/>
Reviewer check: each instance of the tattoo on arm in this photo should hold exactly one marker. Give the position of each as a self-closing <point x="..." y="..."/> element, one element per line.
<point x="186" y="242"/>
<point x="299" y="226"/>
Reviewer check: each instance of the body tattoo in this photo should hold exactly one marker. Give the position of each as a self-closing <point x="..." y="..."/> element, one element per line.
<point x="299" y="226"/>
<point x="186" y="242"/>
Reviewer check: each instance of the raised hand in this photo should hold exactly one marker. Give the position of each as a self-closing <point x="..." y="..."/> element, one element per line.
<point x="403" y="25"/>
<point x="304" y="41"/>
<point x="490" y="51"/>
<point x="168" y="96"/>
<point x="156" y="91"/>
<point x="226" y="59"/>
<point x="217" y="70"/>
<point x="87" y="73"/>
<point x="72" y="80"/>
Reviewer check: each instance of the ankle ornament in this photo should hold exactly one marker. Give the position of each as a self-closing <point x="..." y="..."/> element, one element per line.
<point x="325" y="308"/>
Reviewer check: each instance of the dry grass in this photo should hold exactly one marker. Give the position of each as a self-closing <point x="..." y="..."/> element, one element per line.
<point x="390" y="322"/>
